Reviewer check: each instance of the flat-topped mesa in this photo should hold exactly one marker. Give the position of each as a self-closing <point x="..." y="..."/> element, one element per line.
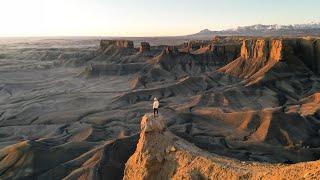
<point x="145" y="47"/>
<point x="262" y="48"/>
<point x="104" y="44"/>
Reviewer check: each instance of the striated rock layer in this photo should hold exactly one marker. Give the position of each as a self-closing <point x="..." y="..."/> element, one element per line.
<point x="255" y="55"/>
<point x="166" y="156"/>
<point x="261" y="54"/>
<point x="118" y="43"/>
<point x="309" y="51"/>
<point x="259" y="58"/>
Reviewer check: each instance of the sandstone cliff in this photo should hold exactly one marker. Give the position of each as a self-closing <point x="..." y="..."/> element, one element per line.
<point x="162" y="155"/>
<point x="219" y="50"/>
<point x="258" y="56"/>
<point x="308" y="49"/>
<point x="196" y="44"/>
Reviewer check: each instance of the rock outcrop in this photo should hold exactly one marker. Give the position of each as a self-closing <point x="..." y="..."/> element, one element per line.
<point x="152" y="124"/>
<point x="116" y="51"/>
<point x="104" y="44"/>
<point x="259" y="55"/>
<point x="144" y="47"/>
<point x="218" y="51"/>
<point x="308" y="49"/>
<point x="162" y="155"/>
<point x="196" y="44"/>
<point x="227" y="52"/>
<point x="170" y="50"/>
<point x="261" y="48"/>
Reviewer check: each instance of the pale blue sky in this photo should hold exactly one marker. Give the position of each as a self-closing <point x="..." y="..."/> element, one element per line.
<point x="146" y="17"/>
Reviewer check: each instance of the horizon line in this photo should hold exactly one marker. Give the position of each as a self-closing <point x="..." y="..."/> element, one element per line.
<point x="147" y="36"/>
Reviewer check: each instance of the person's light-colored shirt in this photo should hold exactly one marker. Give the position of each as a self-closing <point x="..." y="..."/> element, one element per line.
<point x="155" y="104"/>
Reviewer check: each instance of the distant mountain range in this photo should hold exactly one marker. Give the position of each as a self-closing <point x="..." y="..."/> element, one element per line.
<point x="311" y="29"/>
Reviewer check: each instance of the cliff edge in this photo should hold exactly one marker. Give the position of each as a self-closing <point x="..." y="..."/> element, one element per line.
<point x="162" y="155"/>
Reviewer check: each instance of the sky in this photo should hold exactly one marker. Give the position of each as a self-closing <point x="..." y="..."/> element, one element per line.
<point x="146" y="17"/>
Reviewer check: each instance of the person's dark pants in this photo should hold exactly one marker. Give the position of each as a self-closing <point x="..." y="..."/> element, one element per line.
<point x="155" y="110"/>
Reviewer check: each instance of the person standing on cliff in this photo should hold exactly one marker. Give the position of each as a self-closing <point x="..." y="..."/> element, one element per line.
<point x="155" y="106"/>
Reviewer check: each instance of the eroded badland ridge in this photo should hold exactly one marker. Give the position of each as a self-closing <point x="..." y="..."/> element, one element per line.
<point x="231" y="107"/>
<point x="162" y="155"/>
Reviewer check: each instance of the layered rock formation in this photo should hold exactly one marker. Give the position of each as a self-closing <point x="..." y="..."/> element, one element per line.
<point x="170" y="50"/>
<point x="118" y="43"/>
<point x="258" y="56"/>
<point x="220" y="50"/>
<point x="261" y="48"/>
<point x="144" y="47"/>
<point x="226" y="51"/>
<point x="308" y="49"/>
<point x="195" y="44"/>
<point x="165" y="156"/>
<point x="117" y="51"/>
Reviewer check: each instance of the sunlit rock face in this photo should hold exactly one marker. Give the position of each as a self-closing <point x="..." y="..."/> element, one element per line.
<point x="255" y="55"/>
<point x="259" y="55"/>
<point x="262" y="48"/>
<point x="150" y="123"/>
<point x="307" y="49"/>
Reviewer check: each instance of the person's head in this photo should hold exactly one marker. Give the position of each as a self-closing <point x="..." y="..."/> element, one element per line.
<point x="155" y="99"/>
